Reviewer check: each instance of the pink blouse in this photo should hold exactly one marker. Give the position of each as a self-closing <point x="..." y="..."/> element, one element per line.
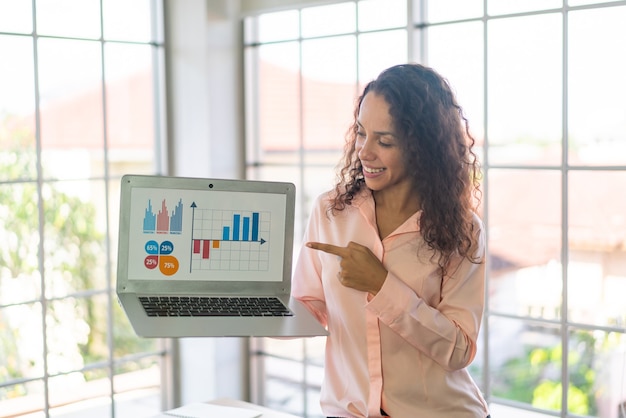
<point x="406" y="349"/>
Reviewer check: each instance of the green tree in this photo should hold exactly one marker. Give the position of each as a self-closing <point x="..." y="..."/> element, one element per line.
<point x="73" y="263"/>
<point x="535" y="377"/>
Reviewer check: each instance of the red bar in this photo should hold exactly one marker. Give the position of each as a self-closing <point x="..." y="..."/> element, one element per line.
<point x="196" y="246"/>
<point x="205" y="248"/>
<point x="163" y="220"/>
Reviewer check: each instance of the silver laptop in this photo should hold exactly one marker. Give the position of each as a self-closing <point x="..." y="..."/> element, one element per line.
<point x="208" y="258"/>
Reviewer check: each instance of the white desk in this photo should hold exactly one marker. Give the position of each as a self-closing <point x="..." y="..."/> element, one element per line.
<point x="267" y="412"/>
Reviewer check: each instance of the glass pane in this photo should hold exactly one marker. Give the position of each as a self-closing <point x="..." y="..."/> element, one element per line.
<point x="283" y="391"/>
<point x="286" y="372"/>
<point x="71" y="18"/>
<point x="125" y="341"/>
<point x="20" y="400"/>
<point x="313" y="348"/>
<point x="77" y="392"/>
<point x="130" y="108"/>
<point x="22" y="346"/>
<point x="500" y="7"/>
<point x="456" y="51"/>
<point x="275" y="173"/>
<point x="141" y="373"/>
<point x="597" y="111"/>
<point x="597" y="262"/>
<point x="75" y="256"/>
<point x="325" y="157"/>
<point x="77" y="335"/>
<point x="525" y="359"/>
<point x="597" y="373"/>
<point x="525" y="90"/>
<point x="137" y="388"/>
<point x="444" y="10"/>
<point x="328" y="91"/>
<point x="382" y="14"/>
<point x="277" y="104"/>
<point x="16" y="16"/>
<point x="126" y="20"/>
<point x="328" y="20"/>
<point x="71" y="108"/>
<point x="525" y="242"/>
<point x="313" y="402"/>
<point x="378" y="51"/>
<point x="285" y="349"/>
<point x="20" y="280"/>
<point x="270" y="27"/>
<point x="319" y="178"/>
<point x="17" y="110"/>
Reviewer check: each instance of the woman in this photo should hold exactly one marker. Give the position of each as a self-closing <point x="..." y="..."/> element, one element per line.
<point x="393" y="262"/>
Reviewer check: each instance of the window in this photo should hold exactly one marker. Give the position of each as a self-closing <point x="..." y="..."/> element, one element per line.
<point x="544" y="94"/>
<point x="81" y="105"/>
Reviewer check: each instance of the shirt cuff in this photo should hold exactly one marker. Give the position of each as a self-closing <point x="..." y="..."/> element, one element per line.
<point x="393" y="298"/>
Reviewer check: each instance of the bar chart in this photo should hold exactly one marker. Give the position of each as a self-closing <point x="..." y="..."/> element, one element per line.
<point x="233" y="240"/>
<point x="162" y="222"/>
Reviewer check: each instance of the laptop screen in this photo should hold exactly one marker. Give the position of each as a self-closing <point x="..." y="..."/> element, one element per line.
<point x="205" y="235"/>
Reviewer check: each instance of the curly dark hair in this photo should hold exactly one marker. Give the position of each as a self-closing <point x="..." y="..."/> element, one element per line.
<point x="437" y="149"/>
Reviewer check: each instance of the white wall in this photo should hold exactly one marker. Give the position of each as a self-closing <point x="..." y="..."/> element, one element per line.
<point x="205" y="106"/>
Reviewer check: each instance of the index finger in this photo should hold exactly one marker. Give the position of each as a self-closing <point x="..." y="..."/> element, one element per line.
<point x="327" y="248"/>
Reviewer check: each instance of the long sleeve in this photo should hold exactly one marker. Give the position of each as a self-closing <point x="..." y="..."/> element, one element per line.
<point x="445" y="330"/>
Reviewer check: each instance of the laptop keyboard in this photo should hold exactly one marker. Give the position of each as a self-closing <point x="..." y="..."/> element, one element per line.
<point x="213" y="306"/>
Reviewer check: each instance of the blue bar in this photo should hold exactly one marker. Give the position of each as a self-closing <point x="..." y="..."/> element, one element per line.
<point x="225" y="233"/>
<point x="246" y="228"/>
<point x="255" y="226"/>
<point x="149" y="220"/>
<point x="236" y="222"/>
<point x="176" y="221"/>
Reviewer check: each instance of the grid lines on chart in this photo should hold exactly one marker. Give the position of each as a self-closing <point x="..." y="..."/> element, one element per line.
<point x="231" y="240"/>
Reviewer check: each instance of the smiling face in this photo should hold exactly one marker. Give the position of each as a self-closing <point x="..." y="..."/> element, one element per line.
<point x="379" y="148"/>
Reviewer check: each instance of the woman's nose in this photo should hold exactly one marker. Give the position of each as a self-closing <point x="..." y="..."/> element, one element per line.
<point x="364" y="151"/>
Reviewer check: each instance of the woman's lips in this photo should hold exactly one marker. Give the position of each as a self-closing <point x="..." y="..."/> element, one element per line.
<point x="372" y="172"/>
